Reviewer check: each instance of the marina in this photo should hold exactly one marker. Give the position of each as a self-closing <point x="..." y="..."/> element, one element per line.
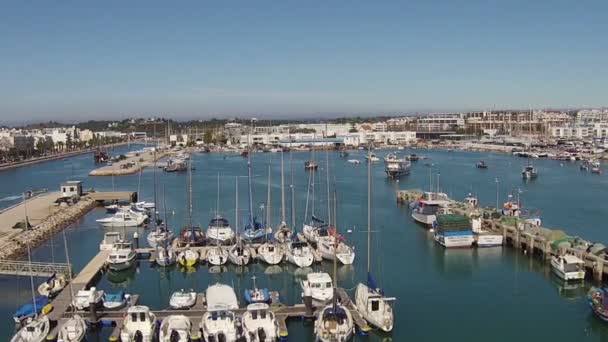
<point x="152" y="285"/>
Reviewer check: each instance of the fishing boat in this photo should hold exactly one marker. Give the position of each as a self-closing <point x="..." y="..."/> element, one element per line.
<point x="453" y="231"/>
<point x="72" y="330"/>
<point x="175" y="328"/>
<point x="139" y="325"/>
<point x="219" y="322"/>
<point x="396" y="170"/>
<point x="299" y="253"/>
<point x="425" y="209"/>
<point x="392" y="158"/>
<point x="219" y="231"/>
<point x="175" y="166"/>
<point x="159" y="236"/>
<point x="260" y="324"/>
<point x="568" y="267"/>
<point x="217" y="255"/>
<point x="598" y="301"/>
<point x="481" y="165"/>
<point x="115" y="301"/>
<point x="123" y="219"/>
<point x="164" y="256"/>
<point x="256" y="295"/>
<point x="53" y="285"/>
<point x="122" y="256"/>
<point x="320" y="287"/>
<point x="109" y="238"/>
<point x="35" y="329"/>
<point x="182" y="299"/>
<point x="187" y="257"/>
<point x="483" y="238"/>
<point x="84" y="298"/>
<point x="30" y="309"/>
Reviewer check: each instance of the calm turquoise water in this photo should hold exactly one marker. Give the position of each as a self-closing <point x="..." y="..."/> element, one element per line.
<point x="496" y="293"/>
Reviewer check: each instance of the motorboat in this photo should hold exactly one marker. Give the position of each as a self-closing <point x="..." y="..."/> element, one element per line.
<point x="112" y="208"/>
<point x="320" y="287"/>
<point x="221" y="296"/>
<point x="484" y="238"/>
<point x="334" y="323"/>
<point x="115" y="301"/>
<point x="453" y="231"/>
<point x="139" y="325"/>
<point x="256" y="295"/>
<point x="354" y="161"/>
<point x="259" y="323"/>
<point x="217" y="255"/>
<point x="270" y="252"/>
<point x="392" y="158"/>
<point x="122" y="256"/>
<point x="471" y="201"/>
<point x="35" y="329"/>
<point x="72" y="330"/>
<point x="425" y="209"/>
<point x="53" y="285"/>
<point x="109" y="238"/>
<point x="84" y="298"/>
<point x="219" y="322"/>
<point x="597" y="297"/>
<point x="219" y="231"/>
<point x="372" y="158"/>
<point x="159" y="236"/>
<point x="568" y="267"/>
<point x="175" y="328"/>
<point x="299" y="253"/>
<point x="374" y="306"/>
<point x="529" y="172"/>
<point x="30" y="309"/>
<point x="311" y="165"/>
<point x="187" y="257"/>
<point x="191" y="236"/>
<point x="331" y="247"/>
<point x="239" y="255"/>
<point x="123" y="219"/>
<point x="182" y="299"/>
<point x="481" y="165"/>
<point x="165" y="256"/>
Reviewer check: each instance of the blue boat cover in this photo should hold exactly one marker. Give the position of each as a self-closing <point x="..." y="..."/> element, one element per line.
<point x="114" y="297"/>
<point x="31" y="309"/>
<point x="249" y="300"/>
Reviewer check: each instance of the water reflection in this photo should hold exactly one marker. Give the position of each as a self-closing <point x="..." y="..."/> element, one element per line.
<point x="124" y="278"/>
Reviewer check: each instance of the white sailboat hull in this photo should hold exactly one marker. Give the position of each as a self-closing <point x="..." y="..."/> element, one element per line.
<point x="379" y="315"/>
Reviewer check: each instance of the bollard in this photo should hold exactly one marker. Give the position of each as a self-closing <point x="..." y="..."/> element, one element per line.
<point x="308" y="300"/>
<point x="136" y="240"/>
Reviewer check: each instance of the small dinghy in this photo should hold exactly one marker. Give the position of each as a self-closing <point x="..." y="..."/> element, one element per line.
<point x="256" y="295"/>
<point x="52" y="286"/>
<point x="73" y="330"/>
<point x="115" y="301"/>
<point x="175" y="328"/>
<point x="182" y="299"/>
<point x="34" y="330"/>
<point x="187" y="257"/>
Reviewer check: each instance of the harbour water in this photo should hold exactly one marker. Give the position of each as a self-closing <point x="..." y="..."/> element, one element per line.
<point x="495" y="293"/>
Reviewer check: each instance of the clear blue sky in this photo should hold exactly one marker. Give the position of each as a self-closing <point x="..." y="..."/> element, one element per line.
<point x="84" y="59"/>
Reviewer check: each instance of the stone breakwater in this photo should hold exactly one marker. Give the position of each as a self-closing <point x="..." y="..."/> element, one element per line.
<point x="17" y="246"/>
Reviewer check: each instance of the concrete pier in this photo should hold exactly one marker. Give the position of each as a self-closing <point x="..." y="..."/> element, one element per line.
<point x="129" y="166"/>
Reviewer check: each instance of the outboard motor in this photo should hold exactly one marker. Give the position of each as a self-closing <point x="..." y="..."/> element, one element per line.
<point x="261" y="335"/>
<point x="138" y="337"/>
<point x="221" y="337"/>
<point x="211" y="338"/>
<point x="174" y="336"/>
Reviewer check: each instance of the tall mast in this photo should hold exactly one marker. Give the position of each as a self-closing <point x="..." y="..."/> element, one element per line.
<point x="369" y="216"/>
<point x="268" y="200"/>
<point x="327" y="176"/>
<point x="283" y="219"/>
<point x="313" y="191"/>
<point x="293" y="195"/>
<point x="29" y="253"/>
<point x="335" y="258"/>
<point x="249" y="184"/>
<point x="190" y="194"/>
<point x="236" y="214"/>
<point x="217" y="200"/>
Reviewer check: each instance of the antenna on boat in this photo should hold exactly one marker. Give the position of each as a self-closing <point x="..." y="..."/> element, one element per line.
<point x="293" y="195"/>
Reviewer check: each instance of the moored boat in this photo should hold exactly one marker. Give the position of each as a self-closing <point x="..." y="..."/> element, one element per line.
<point x="139" y="325"/>
<point x="72" y="330"/>
<point x="453" y="231"/>
<point x="182" y="299"/>
<point x="259" y="323"/>
<point x="320" y="287"/>
<point x="175" y="328"/>
<point x="568" y="267"/>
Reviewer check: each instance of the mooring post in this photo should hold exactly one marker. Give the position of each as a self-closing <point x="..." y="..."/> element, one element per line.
<point x="531" y="245"/>
<point x="136" y="240"/>
<point x="598" y="272"/>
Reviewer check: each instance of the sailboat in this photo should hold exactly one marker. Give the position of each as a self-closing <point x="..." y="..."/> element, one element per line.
<point x="309" y="229"/>
<point x="188" y="257"/>
<point x="254" y="230"/>
<point x="219" y="231"/>
<point x="191" y="235"/>
<point x="369" y="299"/>
<point x="37" y="326"/>
<point x="269" y="252"/>
<point x="238" y="254"/>
<point x="334" y="322"/>
<point x="283" y="233"/>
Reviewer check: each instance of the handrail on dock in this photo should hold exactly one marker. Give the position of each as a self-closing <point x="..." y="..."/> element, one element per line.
<point x="36" y="269"/>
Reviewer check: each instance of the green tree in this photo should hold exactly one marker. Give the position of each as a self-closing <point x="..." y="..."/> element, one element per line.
<point x="208" y="137"/>
<point x="68" y="141"/>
